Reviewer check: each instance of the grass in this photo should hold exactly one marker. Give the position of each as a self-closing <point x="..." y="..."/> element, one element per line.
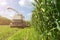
<point x="7" y="33"/>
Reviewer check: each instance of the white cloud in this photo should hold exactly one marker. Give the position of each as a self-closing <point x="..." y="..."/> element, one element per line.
<point x="31" y="0"/>
<point x="7" y="14"/>
<point x="22" y="2"/>
<point x="3" y="3"/>
<point x="25" y="2"/>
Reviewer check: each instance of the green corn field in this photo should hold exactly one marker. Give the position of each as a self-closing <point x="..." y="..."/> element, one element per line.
<point x="8" y="33"/>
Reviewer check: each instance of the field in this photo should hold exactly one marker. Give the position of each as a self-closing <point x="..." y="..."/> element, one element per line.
<point x="7" y="33"/>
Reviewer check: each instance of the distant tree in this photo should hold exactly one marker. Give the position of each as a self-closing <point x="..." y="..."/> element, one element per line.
<point x="4" y="21"/>
<point x="45" y="19"/>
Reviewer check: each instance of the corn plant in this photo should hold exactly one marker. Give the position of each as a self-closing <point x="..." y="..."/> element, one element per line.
<point x="45" y="19"/>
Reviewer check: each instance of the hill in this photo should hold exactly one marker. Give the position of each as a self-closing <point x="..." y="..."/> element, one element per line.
<point x="4" y="21"/>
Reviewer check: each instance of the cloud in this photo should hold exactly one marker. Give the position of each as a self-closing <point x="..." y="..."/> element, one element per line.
<point x="25" y="3"/>
<point x="3" y="3"/>
<point x="31" y="0"/>
<point x="22" y="2"/>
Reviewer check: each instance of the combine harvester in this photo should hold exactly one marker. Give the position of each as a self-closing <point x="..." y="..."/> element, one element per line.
<point x="18" y="20"/>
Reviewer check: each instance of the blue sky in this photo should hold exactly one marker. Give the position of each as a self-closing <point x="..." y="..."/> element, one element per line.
<point x="23" y="6"/>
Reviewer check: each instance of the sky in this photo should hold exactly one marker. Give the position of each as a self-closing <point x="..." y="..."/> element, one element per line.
<point x="25" y="7"/>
